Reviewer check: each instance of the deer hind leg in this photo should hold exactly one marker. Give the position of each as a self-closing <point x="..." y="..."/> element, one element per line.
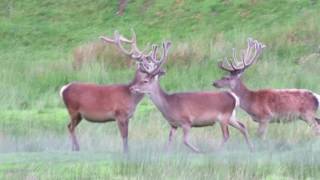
<point x="186" y="131"/>
<point x="123" y="127"/>
<point x="172" y="133"/>
<point x="75" y="120"/>
<point x="313" y="122"/>
<point x="242" y="128"/>
<point x="262" y="129"/>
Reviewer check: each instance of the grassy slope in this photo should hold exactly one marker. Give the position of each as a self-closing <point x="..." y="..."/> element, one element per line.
<point x="50" y="29"/>
<point x="37" y="37"/>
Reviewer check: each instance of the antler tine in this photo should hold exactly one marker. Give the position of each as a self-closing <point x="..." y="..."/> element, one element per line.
<point x="236" y="65"/>
<point x="248" y="57"/>
<point x="166" y="46"/>
<point x="119" y="39"/>
<point x="134" y="43"/>
<point x="164" y="56"/>
<point x="110" y="40"/>
<point x="107" y="39"/>
<point x="257" y="47"/>
<point x="153" y="53"/>
<point x="227" y="65"/>
<point x="134" y="53"/>
<point x="220" y="64"/>
<point x="152" y="66"/>
<point x="248" y="51"/>
<point x="139" y="56"/>
<point x="226" y="68"/>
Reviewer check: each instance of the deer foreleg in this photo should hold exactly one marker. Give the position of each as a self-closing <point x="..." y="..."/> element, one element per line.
<point x="186" y="130"/>
<point x="172" y="133"/>
<point x="123" y="127"/>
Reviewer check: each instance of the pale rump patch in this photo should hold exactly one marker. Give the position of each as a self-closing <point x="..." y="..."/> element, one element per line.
<point x="63" y="89"/>
<point x="233" y="115"/>
<point x="236" y="98"/>
<point x="317" y="96"/>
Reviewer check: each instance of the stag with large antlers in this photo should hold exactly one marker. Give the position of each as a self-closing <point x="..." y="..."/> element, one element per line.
<point x="267" y="105"/>
<point x="188" y="109"/>
<point x="104" y="103"/>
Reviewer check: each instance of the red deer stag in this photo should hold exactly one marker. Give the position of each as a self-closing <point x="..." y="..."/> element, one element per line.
<point x="188" y="109"/>
<point x="104" y="103"/>
<point x="266" y="105"/>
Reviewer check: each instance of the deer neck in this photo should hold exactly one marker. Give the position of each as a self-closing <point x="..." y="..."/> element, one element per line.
<point x="160" y="98"/>
<point x="134" y="80"/>
<point x="243" y="93"/>
<point x="136" y="96"/>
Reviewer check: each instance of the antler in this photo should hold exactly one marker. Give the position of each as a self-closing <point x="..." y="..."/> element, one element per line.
<point x="152" y="65"/>
<point x="134" y="53"/>
<point x="248" y="57"/>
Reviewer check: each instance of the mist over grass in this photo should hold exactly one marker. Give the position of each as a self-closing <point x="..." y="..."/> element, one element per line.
<point x="38" y="41"/>
<point x="39" y="147"/>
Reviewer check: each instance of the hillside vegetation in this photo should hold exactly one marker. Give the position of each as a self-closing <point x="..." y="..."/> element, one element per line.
<point x="38" y="39"/>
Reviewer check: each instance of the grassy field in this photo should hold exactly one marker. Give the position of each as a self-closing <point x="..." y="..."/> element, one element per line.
<point x="36" y="55"/>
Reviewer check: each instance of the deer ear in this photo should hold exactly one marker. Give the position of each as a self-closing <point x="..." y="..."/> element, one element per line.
<point x="161" y="72"/>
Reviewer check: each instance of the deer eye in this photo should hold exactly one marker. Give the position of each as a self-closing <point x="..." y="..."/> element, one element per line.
<point x="145" y="81"/>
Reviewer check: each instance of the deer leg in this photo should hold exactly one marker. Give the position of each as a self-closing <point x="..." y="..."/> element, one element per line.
<point x="316" y="127"/>
<point x="225" y="133"/>
<point x="242" y="128"/>
<point x="186" y="130"/>
<point x="172" y="133"/>
<point x="75" y="120"/>
<point x="122" y="6"/>
<point x="313" y="123"/>
<point x="263" y="127"/>
<point x="123" y="127"/>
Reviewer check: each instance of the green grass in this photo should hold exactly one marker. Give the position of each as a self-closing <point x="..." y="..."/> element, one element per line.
<point x="39" y="147"/>
<point x="219" y="165"/>
<point x="37" y="41"/>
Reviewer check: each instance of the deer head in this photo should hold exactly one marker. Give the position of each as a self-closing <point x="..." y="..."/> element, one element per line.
<point x="152" y="67"/>
<point x="236" y="67"/>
